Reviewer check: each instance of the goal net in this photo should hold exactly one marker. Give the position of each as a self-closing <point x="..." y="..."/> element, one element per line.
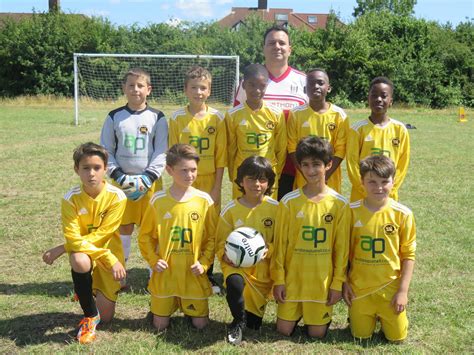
<point x="99" y="76"/>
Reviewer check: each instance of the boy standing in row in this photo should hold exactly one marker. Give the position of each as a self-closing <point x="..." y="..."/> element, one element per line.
<point x="136" y="138"/>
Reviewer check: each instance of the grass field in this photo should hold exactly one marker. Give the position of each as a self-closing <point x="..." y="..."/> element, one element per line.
<point x="37" y="316"/>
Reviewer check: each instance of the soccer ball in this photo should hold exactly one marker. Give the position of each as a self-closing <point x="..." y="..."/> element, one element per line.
<point x="245" y="247"/>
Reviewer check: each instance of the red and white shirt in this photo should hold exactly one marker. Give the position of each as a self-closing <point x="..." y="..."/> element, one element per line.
<point x="285" y="92"/>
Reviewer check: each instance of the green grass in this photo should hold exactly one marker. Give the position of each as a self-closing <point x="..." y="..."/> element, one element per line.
<point x="36" y="315"/>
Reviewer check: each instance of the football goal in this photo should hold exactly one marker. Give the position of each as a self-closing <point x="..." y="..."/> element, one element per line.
<point x="99" y="77"/>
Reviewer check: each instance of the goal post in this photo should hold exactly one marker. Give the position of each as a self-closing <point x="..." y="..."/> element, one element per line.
<point x="98" y="76"/>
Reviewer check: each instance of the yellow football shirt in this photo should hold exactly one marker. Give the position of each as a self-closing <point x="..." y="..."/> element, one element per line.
<point x="311" y="245"/>
<point x="261" y="218"/>
<point x="90" y="225"/>
<point x="180" y="233"/>
<point x="366" y="139"/>
<point x="208" y="135"/>
<point x="331" y="125"/>
<point x="379" y="243"/>
<point x="261" y="132"/>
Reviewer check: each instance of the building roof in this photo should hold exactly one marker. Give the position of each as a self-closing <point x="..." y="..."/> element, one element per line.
<point x="310" y="21"/>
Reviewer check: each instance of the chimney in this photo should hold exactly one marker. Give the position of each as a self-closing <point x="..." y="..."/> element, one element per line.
<point x="262" y="4"/>
<point x="54" y="5"/>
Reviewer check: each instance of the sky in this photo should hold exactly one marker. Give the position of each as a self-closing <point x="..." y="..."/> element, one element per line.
<point x="144" y="12"/>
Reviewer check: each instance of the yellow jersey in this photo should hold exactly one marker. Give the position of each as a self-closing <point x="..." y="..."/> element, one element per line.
<point x="208" y="135"/>
<point x="379" y="242"/>
<point x="366" y="139"/>
<point x="261" y="218"/>
<point x="90" y="225"/>
<point x="261" y="132"/>
<point x="311" y="245"/>
<point x="332" y="125"/>
<point x="181" y="233"/>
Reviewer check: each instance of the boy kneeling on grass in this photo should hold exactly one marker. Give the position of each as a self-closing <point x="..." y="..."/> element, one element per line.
<point x="177" y="241"/>
<point x="382" y="255"/>
<point x="91" y="215"/>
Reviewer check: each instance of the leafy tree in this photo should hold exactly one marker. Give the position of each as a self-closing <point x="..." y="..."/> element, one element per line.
<point x="397" y="7"/>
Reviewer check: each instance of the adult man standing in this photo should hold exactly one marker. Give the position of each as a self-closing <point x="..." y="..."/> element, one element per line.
<point x="286" y="88"/>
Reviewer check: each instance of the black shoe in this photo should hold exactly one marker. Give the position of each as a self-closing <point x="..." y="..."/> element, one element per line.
<point x="234" y="332"/>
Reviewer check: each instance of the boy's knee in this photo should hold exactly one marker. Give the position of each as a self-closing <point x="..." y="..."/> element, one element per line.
<point x="285" y="329"/>
<point x="80" y="262"/>
<point x="126" y="229"/>
<point x="317" y="331"/>
<point x="199" y="323"/>
<point x="161" y="323"/>
<point x="234" y="284"/>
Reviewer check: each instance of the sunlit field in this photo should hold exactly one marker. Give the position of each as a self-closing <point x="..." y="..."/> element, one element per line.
<point x="38" y="316"/>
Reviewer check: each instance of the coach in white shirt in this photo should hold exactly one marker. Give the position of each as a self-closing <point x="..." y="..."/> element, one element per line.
<point x="286" y="88"/>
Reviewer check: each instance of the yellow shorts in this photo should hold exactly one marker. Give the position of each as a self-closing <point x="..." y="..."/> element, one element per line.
<point x="102" y="279"/>
<point x="206" y="183"/>
<point x="364" y="311"/>
<point x="136" y="209"/>
<point x="165" y="307"/>
<point x="313" y="313"/>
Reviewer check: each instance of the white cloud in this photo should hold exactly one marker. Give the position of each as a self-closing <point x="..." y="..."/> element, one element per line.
<point x="95" y="12"/>
<point x="199" y="8"/>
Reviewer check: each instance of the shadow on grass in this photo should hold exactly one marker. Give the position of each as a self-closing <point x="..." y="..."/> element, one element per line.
<point x="38" y="328"/>
<point x="137" y="278"/>
<point x="56" y="289"/>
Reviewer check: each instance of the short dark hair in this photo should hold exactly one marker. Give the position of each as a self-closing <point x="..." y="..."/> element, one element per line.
<point x="317" y="69"/>
<point x="87" y="150"/>
<point x="256" y="167"/>
<point x="255" y="70"/>
<point x="380" y="165"/>
<point x="276" y="28"/>
<point x="381" y="80"/>
<point x="314" y="147"/>
<point x="180" y="152"/>
<point x="197" y="72"/>
<point x="138" y="72"/>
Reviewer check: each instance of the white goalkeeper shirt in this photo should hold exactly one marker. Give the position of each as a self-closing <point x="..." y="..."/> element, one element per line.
<point x="136" y="141"/>
<point x="285" y="92"/>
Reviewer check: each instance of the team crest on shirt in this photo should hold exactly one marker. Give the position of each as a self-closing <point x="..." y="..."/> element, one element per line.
<point x="211" y="130"/>
<point x="267" y="222"/>
<point x="395" y="142"/>
<point x="328" y="218"/>
<point x="270" y="125"/>
<point x="389" y="229"/>
<point x="194" y="216"/>
<point x="143" y="129"/>
<point x="331" y="126"/>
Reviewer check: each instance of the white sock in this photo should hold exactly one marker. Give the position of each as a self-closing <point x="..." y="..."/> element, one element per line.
<point x="126" y="244"/>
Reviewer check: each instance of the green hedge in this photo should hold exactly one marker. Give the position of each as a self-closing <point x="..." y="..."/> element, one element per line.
<point x="430" y="64"/>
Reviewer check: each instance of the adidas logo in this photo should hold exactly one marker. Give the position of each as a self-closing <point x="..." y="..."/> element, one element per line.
<point x="300" y="214"/>
<point x="186" y="130"/>
<point x="82" y="211"/>
<point x="306" y="124"/>
<point x="238" y="223"/>
<point x="243" y="123"/>
<point x="326" y="315"/>
<point x="368" y="138"/>
<point x="167" y="215"/>
<point x="191" y="307"/>
<point x="358" y="224"/>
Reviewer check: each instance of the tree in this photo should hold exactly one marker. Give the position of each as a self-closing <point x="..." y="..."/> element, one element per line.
<point x="397" y="7"/>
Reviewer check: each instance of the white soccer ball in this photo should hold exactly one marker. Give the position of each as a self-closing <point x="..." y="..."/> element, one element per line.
<point x="245" y="247"/>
